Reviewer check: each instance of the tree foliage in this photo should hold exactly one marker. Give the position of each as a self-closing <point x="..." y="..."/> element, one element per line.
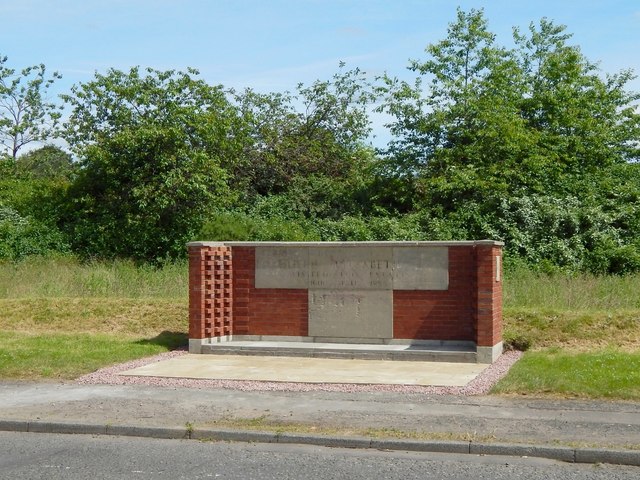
<point x="318" y="131"/>
<point x="494" y="119"/>
<point x="26" y="114"/>
<point x="517" y="144"/>
<point x="22" y="236"/>
<point x="531" y="144"/>
<point x="47" y="162"/>
<point x="152" y="148"/>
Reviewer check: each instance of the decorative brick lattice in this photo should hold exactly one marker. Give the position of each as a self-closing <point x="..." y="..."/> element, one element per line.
<point x="218" y="292"/>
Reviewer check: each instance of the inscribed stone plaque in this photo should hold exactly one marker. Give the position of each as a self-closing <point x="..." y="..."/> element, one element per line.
<point x="282" y="267"/>
<point x="361" y="268"/>
<point x="351" y="313"/>
<point x="421" y="268"/>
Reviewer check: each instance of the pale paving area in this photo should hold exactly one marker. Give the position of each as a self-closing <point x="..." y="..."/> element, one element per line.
<point x="312" y="370"/>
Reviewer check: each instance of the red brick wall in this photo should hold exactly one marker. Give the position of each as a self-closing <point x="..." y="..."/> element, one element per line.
<point x="265" y="311"/>
<point x="439" y="314"/>
<point x="223" y="299"/>
<point x="488" y="311"/>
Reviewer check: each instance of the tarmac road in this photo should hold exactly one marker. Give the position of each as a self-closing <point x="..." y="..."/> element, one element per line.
<point x="592" y="426"/>
<point x="49" y="456"/>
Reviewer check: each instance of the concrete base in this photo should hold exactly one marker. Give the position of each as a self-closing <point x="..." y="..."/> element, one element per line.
<point x="347" y="348"/>
<point x="311" y="370"/>
<point x="195" y="344"/>
<point x="459" y="352"/>
<point x="489" y="354"/>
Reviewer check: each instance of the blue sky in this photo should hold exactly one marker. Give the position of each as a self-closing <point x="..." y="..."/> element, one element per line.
<point x="271" y="45"/>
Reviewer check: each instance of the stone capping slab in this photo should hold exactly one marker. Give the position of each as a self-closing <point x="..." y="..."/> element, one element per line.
<point x="458" y="243"/>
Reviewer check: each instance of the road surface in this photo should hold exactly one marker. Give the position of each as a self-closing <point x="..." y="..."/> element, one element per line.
<point x="51" y="456"/>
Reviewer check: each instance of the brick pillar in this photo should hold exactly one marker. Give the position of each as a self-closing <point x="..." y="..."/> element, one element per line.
<point x="197" y="293"/>
<point x="244" y="271"/>
<point x="210" y="294"/>
<point x="488" y="301"/>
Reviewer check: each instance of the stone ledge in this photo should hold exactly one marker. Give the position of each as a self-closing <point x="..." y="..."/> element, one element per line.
<point x="459" y="243"/>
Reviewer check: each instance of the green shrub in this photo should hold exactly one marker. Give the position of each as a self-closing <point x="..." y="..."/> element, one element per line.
<point x="228" y="226"/>
<point x="21" y="237"/>
<point x="238" y="226"/>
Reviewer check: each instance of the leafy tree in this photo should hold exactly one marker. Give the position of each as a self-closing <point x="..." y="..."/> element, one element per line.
<point x="519" y="144"/>
<point x="318" y="131"/>
<point x="584" y="122"/>
<point x="458" y="136"/>
<point x="26" y="115"/>
<point x="508" y="119"/>
<point x="153" y="148"/>
<point x="48" y="162"/>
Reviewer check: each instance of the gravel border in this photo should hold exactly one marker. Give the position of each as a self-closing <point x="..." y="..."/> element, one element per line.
<point x="109" y="376"/>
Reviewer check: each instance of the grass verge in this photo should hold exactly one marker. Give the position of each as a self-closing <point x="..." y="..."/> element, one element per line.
<point x="526" y="289"/>
<point x="60" y="356"/>
<point x="63" y="338"/>
<point x="608" y="373"/>
<point x="279" y="427"/>
<point x="580" y="354"/>
<point x="67" y="277"/>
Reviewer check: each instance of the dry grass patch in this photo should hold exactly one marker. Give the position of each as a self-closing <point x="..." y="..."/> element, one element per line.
<point x="263" y="423"/>
<point x="577" y="331"/>
<point x="119" y="316"/>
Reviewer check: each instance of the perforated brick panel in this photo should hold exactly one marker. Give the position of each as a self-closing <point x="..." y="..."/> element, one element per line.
<point x="210" y="292"/>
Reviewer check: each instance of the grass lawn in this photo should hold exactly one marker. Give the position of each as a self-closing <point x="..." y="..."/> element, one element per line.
<point x="608" y="373"/>
<point x="66" y="356"/>
<point x="585" y="354"/>
<point x="63" y="338"/>
<point x="583" y="335"/>
<point x="60" y="319"/>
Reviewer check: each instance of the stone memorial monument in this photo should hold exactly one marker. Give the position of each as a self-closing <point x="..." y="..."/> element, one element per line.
<point x="347" y="292"/>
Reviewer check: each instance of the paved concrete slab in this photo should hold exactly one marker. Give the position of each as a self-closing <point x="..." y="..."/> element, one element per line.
<point x="311" y="370"/>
